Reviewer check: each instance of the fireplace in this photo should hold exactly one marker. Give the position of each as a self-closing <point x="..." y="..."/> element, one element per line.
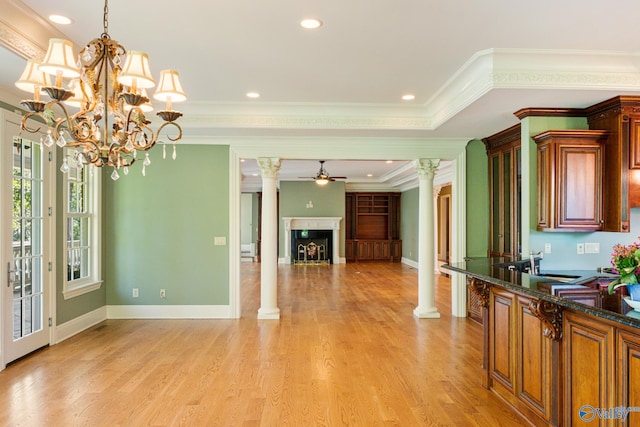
<point x="311" y="246"/>
<point x="323" y="232"/>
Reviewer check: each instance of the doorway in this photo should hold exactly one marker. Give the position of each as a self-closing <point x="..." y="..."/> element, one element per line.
<point x="443" y="228"/>
<point x="26" y="226"/>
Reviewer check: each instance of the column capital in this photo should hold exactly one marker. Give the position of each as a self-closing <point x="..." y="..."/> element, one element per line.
<point x="426" y="167"/>
<point x="269" y="166"/>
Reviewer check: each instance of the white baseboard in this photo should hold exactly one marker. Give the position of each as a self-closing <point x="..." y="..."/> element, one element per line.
<point x="409" y="262"/>
<point x="168" y="312"/>
<point x="79" y="324"/>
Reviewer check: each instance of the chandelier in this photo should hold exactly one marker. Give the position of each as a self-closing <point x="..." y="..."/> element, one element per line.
<point x="108" y="84"/>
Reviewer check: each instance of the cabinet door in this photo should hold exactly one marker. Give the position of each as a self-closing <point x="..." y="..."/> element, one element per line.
<point x="534" y="385"/>
<point x="634" y="142"/>
<point x="350" y="250"/>
<point x="579" y="186"/>
<point x="365" y="250"/>
<point x="545" y="200"/>
<point x="495" y="167"/>
<point x="570" y="180"/>
<point x="589" y="360"/>
<point x="629" y="374"/>
<point x="502" y="339"/>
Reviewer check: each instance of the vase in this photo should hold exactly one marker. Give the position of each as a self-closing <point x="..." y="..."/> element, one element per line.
<point x="634" y="291"/>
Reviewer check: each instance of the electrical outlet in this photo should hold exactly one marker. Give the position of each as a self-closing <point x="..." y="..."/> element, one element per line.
<point x="135" y="293"/>
<point x="163" y="293"/>
<point x="547" y="248"/>
<point x="580" y="248"/>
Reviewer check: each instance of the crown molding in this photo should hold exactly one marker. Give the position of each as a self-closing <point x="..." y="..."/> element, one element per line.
<point x="27" y="34"/>
<point x="24" y="32"/>
<point x="485" y="71"/>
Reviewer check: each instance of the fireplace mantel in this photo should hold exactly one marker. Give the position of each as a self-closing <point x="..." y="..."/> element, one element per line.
<point x="312" y="223"/>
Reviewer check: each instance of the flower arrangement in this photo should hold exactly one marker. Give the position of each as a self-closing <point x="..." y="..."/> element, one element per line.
<point x="626" y="262"/>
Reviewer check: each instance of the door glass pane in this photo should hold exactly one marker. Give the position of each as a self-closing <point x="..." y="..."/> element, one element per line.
<point x="27" y="223"/>
<point x="518" y="225"/>
<point x="495" y="205"/>
<point x="506" y="182"/>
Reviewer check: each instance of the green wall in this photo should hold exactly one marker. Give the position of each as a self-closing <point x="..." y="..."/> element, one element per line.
<point x="477" y="209"/>
<point x="409" y="223"/>
<point x="160" y="230"/>
<point x="327" y="200"/>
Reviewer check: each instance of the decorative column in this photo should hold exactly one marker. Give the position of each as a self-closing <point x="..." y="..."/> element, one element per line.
<point x="436" y="217"/>
<point x="269" y="168"/>
<point x="426" y="260"/>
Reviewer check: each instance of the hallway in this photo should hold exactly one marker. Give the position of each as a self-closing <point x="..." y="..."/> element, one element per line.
<point x="346" y="351"/>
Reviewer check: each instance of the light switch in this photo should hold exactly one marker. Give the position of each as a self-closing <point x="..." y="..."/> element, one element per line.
<point x="220" y="241"/>
<point x="592" y="248"/>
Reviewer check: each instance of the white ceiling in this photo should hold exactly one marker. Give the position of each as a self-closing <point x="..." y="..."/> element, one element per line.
<point x="470" y="64"/>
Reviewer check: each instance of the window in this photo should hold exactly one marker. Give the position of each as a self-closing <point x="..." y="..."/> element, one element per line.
<point x="81" y="227"/>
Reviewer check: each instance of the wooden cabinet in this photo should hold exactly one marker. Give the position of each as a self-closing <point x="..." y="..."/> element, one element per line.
<point x="550" y="360"/>
<point x="520" y="364"/>
<point x="589" y="366"/>
<point x="373" y="227"/>
<point x="504" y="154"/>
<point x="620" y="116"/>
<point x="628" y="375"/>
<point x="570" y="180"/>
<point x="583" y="294"/>
<point x="634" y="141"/>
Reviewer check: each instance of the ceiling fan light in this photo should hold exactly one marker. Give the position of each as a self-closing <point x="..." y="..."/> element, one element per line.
<point x="322" y="181"/>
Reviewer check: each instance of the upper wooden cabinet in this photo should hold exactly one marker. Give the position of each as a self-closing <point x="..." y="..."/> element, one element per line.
<point x="503" y="150"/>
<point x="570" y="180"/>
<point x="621" y="117"/>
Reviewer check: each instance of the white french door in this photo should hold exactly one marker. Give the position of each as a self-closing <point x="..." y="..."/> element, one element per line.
<point x="25" y="221"/>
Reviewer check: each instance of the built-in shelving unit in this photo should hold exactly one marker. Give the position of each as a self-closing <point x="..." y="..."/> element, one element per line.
<point x="373" y="227"/>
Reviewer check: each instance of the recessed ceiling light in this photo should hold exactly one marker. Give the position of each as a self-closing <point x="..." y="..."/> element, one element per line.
<point x="253" y="95"/>
<point x="59" y="19"/>
<point x="242" y="160"/>
<point x="369" y="175"/>
<point x="408" y="97"/>
<point x="389" y="161"/>
<point x="311" y="23"/>
<point x="255" y="174"/>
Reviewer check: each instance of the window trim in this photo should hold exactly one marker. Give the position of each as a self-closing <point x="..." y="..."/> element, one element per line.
<point x="75" y="288"/>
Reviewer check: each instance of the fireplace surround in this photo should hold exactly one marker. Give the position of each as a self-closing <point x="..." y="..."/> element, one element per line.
<point x="312" y="223"/>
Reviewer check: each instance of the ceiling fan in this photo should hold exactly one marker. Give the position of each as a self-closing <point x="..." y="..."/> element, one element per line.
<point x="323" y="178"/>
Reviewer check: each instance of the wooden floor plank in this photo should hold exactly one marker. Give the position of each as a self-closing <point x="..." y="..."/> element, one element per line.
<point x="347" y="351"/>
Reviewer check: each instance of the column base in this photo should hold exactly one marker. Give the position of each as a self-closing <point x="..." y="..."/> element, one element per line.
<point x="269" y="313"/>
<point x="426" y="313"/>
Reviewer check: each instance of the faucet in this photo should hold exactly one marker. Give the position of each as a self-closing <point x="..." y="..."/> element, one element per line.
<point x="532" y="259"/>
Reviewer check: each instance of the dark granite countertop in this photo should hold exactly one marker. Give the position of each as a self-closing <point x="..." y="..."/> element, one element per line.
<point x="488" y="269"/>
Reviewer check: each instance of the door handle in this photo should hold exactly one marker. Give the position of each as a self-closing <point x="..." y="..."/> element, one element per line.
<point x="10" y="274"/>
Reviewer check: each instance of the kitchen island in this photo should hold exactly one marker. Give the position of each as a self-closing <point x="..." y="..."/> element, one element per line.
<point x="560" y="361"/>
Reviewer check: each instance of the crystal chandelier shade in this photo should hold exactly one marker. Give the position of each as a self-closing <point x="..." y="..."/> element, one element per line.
<point x="108" y="84"/>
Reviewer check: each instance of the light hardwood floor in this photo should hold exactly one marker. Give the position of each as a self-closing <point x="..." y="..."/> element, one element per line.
<point x="347" y="351"/>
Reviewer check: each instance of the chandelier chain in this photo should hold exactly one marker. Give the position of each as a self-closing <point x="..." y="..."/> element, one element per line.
<point x="105" y="18"/>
